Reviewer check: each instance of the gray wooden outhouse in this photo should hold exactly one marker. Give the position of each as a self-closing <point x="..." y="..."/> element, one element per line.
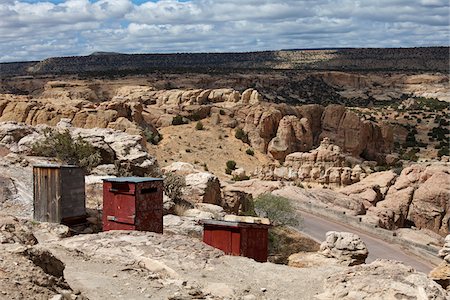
<point x="59" y="194"/>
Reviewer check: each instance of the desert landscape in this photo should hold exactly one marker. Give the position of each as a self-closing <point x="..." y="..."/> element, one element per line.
<point x="345" y="152"/>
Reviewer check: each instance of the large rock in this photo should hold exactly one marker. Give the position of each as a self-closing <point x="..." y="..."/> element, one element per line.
<point x="419" y="196"/>
<point x="355" y="136"/>
<point x="382" y="279"/>
<point x="430" y="207"/>
<point x="445" y="251"/>
<point x="373" y="188"/>
<point x="293" y="135"/>
<point x="115" y="147"/>
<point x="441" y="274"/>
<point x="346" y="247"/>
<point x="235" y="201"/>
<point x="202" y="187"/>
<point x="261" y="124"/>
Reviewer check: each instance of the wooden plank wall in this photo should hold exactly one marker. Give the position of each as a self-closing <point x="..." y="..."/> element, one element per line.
<point x="47" y="194"/>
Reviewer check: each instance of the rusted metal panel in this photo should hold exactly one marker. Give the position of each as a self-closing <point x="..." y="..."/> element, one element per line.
<point x="254" y="243"/>
<point x="133" y="203"/>
<point x="235" y="238"/>
<point x="58" y="193"/>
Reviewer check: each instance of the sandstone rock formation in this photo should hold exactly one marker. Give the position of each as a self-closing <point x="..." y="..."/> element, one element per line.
<point x="346" y="247"/>
<point x="293" y="135"/>
<point x="382" y="279"/>
<point x="420" y="196"/>
<point x="326" y="164"/>
<point x="26" y="264"/>
<point x="116" y="147"/>
<point x="373" y="188"/>
<point x="441" y="274"/>
<point x="261" y="125"/>
<point x="359" y="138"/>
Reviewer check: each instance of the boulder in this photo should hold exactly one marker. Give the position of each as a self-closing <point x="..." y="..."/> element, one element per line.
<point x="239" y="174"/>
<point x="346" y="247"/>
<point x="235" y="201"/>
<point x="382" y="279"/>
<point x="445" y="251"/>
<point x="373" y="188"/>
<point x="430" y="206"/>
<point x="180" y="168"/>
<point x="182" y="226"/>
<point x="202" y="187"/>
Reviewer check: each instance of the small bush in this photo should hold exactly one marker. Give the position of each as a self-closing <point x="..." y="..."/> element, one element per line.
<point x="278" y="209"/>
<point x="221" y="112"/>
<point x="231" y="165"/>
<point x="178" y="120"/>
<point x="68" y="150"/>
<point x="199" y="125"/>
<point x="250" y="152"/>
<point x="241" y="135"/>
<point x="240" y="178"/>
<point x="152" y="137"/>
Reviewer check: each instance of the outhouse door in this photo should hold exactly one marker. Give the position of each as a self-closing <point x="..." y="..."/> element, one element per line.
<point x="123" y="206"/>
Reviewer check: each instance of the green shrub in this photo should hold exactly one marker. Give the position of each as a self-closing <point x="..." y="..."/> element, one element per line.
<point x="278" y="209"/>
<point x="199" y="125"/>
<point x="230" y="166"/>
<point x="178" y="120"/>
<point x="62" y="146"/>
<point x="221" y="112"/>
<point x="250" y="152"/>
<point x="410" y="155"/>
<point x="152" y="137"/>
<point x="239" y="178"/>
<point x="241" y="135"/>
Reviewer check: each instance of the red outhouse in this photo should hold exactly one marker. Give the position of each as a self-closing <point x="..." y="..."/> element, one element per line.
<point x="133" y="203"/>
<point x="238" y="237"/>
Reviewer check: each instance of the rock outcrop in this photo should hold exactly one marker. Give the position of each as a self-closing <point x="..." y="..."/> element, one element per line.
<point x="420" y="197"/>
<point x="354" y="136"/>
<point x="115" y="147"/>
<point x="201" y="187"/>
<point x="326" y="165"/>
<point x="382" y="279"/>
<point x="322" y="199"/>
<point x="293" y="135"/>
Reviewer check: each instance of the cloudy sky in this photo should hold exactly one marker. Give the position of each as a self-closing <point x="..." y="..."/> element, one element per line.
<point x="37" y="29"/>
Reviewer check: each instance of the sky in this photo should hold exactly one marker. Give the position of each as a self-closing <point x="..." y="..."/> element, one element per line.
<point x="37" y="29"/>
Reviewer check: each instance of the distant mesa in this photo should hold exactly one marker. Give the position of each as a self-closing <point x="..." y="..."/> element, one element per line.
<point x="104" y="53"/>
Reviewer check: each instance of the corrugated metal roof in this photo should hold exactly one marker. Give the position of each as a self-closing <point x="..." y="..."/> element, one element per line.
<point x="132" y="179"/>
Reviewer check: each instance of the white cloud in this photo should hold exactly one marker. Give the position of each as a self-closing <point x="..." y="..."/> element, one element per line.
<point x="77" y="27"/>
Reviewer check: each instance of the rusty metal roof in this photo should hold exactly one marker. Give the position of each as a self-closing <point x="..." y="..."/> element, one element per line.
<point x="234" y="224"/>
<point x="132" y="179"/>
<point x="54" y="166"/>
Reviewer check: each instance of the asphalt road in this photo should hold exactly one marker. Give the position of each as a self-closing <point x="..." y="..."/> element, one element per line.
<point x="317" y="227"/>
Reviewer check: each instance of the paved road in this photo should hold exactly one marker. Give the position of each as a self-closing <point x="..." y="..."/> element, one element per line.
<point x="316" y="227"/>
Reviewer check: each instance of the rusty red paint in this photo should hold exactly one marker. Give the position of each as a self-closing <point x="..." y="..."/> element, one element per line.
<point x="133" y="204"/>
<point x="239" y="239"/>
